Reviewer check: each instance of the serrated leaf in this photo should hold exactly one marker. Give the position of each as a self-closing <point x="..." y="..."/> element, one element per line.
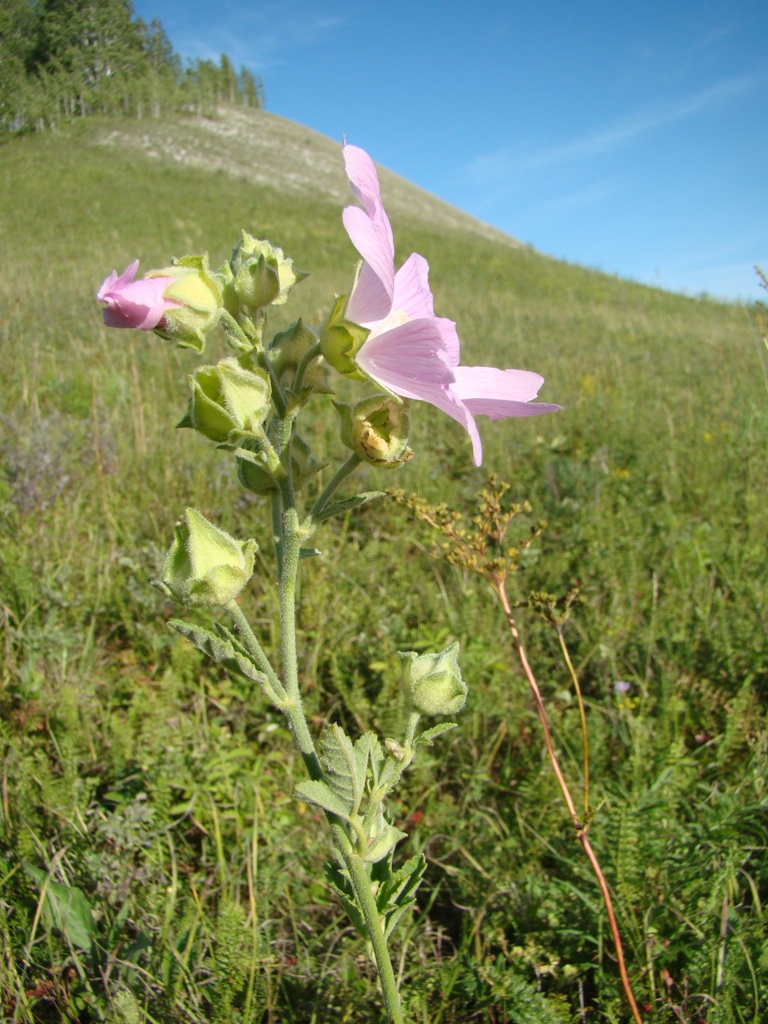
<point x="66" y="908"/>
<point x="224" y="649"/>
<point x="397" y="894"/>
<point x="346" y="765"/>
<point x="340" y="508"/>
<point x="429" y="735"/>
<point x="402" y="884"/>
<point x="313" y="791"/>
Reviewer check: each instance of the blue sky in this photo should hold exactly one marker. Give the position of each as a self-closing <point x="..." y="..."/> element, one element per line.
<point x="627" y="137"/>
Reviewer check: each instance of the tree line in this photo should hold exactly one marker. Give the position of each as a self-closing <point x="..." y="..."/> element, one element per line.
<point x="61" y="59"/>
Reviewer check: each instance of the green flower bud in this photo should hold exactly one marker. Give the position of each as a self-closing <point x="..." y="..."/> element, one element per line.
<point x="288" y="348"/>
<point x="376" y="429"/>
<point x="226" y="398"/>
<point x="433" y="683"/>
<point x="262" y="275"/>
<point x="256" y="478"/>
<point x="341" y="340"/>
<point x="199" y="293"/>
<point x="205" y="566"/>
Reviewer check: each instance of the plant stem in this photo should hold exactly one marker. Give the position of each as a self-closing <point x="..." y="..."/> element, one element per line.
<point x="367" y="902"/>
<point x="291" y="537"/>
<point x="273" y="688"/>
<point x="330" y="489"/>
<point x="581" y="829"/>
<point x="582" y="715"/>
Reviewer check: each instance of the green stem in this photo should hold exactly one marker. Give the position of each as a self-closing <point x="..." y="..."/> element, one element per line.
<point x="273" y="688"/>
<point x="336" y="480"/>
<point x="277" y="530"/>
<point x="367" y="903"/>
<point x="292" y="534"/>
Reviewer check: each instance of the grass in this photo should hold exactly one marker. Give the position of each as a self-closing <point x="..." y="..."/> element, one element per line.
<point x="153" y="863"/>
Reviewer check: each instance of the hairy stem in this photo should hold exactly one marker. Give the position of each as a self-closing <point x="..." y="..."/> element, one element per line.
<point x="367" y="902"/>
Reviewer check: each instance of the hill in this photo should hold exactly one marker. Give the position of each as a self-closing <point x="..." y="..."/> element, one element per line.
<point x="159" y="788"/>
<point x="265" y="149"/>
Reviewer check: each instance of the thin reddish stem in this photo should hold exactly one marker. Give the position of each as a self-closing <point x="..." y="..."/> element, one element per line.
<point x="581" y="829"/>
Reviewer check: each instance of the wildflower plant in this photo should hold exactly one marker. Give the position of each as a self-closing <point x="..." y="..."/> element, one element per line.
<point x="384" y="334"/>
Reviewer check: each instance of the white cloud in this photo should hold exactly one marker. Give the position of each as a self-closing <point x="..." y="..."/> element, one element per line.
<point x="505" y="163"/>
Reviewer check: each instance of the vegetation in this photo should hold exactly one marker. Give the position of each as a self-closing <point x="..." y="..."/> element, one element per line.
<point x="154" y="865"/>
<point x="61" y="59"/>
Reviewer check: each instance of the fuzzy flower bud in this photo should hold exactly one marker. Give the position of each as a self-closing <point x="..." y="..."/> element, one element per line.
<point x="226" y="398"/>
<point x="256" y="477"/>
<point x="262" y="274"/>
<point x="286" y="351"/>
<point x="206" y="566"/>
<point x="341" y="340"/>
<point x="376" y="429"/>
<point x="433" y="683"/>
<point x="197" y="301"/>
<point x="138" y="304"/>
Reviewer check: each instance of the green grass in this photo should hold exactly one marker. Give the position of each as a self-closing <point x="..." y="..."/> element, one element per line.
<point x="161" y="790"/>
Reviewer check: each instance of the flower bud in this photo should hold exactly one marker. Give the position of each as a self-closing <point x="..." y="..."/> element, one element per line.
<point x="227" y="397"/>
<point x="205" y="566"/>
<point x="376" y="429"/>
<point x="341" y="340"/>
<point x="433" y="683"/>
<point x="288" y="348"/>
<point x="262" y="275"/>
<point x="257" y="479"/>
<point x="139" y="304"/>
<point x="197" y="301"/>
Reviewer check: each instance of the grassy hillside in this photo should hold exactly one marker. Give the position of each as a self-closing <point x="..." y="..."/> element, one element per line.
<point x="161" y="789"/>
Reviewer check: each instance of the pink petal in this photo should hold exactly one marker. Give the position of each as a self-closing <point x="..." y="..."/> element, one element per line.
<point x="413" y="297"/>
<point x="499" y="393"/>
<point x="371" y="234"/>
<point x="134" y="304"/>
<point x="448" y="402"/>
<point x="411" y="294"/>
<point x="363" y="178"/>
<point x="409" y="360"/>
<point x="371" y="297"/>
<point x="113" y="281"/>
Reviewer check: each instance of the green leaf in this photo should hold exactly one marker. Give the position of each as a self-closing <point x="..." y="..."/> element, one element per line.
<point x="309" y="552"/>
<point x="346" y="765"/>
<point x="66" y="909"/>
<point x="224" y="649"/>
<point x="313" y="791"/>
<point x="429" y="735"/>
<point x="384" y="842"/>
<point x="340" y="508"/>
<point x="397" y="893"/>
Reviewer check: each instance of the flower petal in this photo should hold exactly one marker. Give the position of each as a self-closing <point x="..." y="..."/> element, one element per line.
<point x="364" y="180"/>
<point x="137" y="304"/>
<point x="411" y="293"/>
<point x="371" y="296"/>
<point x="499" y="393"/>
<point x="413" y="297"/>
<point x="409" y="360"/>
<point x="371" y="234"/>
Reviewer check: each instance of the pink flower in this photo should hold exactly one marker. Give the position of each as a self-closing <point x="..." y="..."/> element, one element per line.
<point x="140" y="304"/>
<point x="410" y="351"/>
